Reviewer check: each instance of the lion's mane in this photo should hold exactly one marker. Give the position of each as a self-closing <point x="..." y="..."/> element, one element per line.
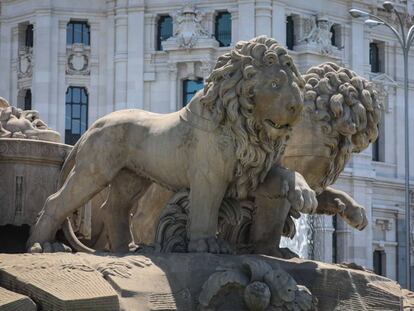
<point x="229" y="93"/>
<point x="347" y="108"/>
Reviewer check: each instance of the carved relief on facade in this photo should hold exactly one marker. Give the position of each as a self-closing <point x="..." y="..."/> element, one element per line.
<point x="78" y="56"/>
<point x="384" y="85"/>
<point x="315" y="34"/>
<point x="189" y="29"/>
<point x="25" y="63"/>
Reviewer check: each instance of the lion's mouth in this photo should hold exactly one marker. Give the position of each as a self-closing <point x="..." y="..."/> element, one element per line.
<point x="277" y="125"/>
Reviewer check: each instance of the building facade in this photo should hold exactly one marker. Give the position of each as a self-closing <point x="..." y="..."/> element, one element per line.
<point x="75" y="61"/>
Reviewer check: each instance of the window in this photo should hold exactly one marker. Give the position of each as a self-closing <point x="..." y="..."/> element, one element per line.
<point x="222" y="31"/>
<point x="29" y="36"/>
<point x="28" y="100"/>
<point x="374" y="57"/>
<point x="190" y="87"/>
<point x="336" y="35"/>
<point x="290" y="32"/>
<point x="78" y="32"/>
<point x="76" y="118"/>
<point x="164" y="30"/>
<point x="379" y="259"/>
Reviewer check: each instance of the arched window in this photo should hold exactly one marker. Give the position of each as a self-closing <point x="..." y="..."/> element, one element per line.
<point x="28" y="100"/>
<point x="164" y="30"/>
<point x="78" y="32"/>
<point x="222" y="31"/>
<point x="379" y="262"/>
<point x="190" y="87"/>
<point x="29" y="36"/>
<point x="76" y="118"/>
<point x="290" y="32"/>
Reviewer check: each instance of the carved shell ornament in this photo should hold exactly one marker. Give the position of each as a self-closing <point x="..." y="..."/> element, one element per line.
<point x="265" y="288"/>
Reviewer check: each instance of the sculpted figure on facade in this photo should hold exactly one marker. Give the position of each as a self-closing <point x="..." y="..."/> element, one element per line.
<point x="224" y="143"/>
<point x="25" y="67"/>
<point x="18" y="123"/>
<point x="319" y="34"/>
<point x="188" y="26"/>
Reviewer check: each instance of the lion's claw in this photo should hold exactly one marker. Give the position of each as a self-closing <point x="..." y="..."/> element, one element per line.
<point x="47" y="247"/>
<point x="209" y="245"/>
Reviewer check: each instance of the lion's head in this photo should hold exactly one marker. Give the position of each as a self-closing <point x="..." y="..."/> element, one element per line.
<point x="254" y="93"/>
<point x="340" y="117"/>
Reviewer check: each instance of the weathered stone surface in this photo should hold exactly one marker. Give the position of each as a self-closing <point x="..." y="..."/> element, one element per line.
<point x="29" y="174"/>
<point x="11" y="301"/>
<point x="174" y="282"/>
<point x="62" y="282"/>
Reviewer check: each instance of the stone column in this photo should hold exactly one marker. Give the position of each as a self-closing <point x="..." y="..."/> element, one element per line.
<point x="173" y="86"/>
<point x="62" y="87"/>
<point x="150" y="32"/>
<point x="322" y="234"/>
<point x="109" y="33"/>
<point x="93" y="109"/>
<point x="234" y="25"/>
<point x="5" y="59"/>
<point x="42" y="63"/>
<point x="357" y="46"/>
<point x="264" y="17"/>
<point x="14" y="63"/>
<point x="135" y="71"/>
<point x="121" y="55"/>
<point x="246" y="25"/>
<point x="279" y="22"/>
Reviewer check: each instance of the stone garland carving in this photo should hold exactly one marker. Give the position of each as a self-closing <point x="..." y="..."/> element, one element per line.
<point x="78" y="60"/>
<point x="234" y="220"/>
<point x="263" y="288"/>
<point x="18" y="123"/>
<point x="25" y="66"/>
<point x="188" y="25"/>
<point x="318" y="34"/>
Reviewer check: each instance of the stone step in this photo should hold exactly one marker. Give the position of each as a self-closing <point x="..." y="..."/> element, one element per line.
<point x="11" y="301"/>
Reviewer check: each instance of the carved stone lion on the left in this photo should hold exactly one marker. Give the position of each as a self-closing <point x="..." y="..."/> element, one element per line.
<point x="222" y="144"/>
<point x="18" y="123"/>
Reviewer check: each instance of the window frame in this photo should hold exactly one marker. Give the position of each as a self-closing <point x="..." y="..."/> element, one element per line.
<point x="28" y="100"/>
<point x="219" y="34"/>
<point x="160" y="20"/>
<point x="290" y="32"/>
<point x="375" y="65"/>
<point x="29" y="36"/>
<point x="84" y="25"/>
<point x="185" y="94"/>
<point x="70" y="137"/>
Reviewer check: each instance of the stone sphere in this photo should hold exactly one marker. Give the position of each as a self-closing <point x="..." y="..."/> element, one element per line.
<point x="257" y="296"/>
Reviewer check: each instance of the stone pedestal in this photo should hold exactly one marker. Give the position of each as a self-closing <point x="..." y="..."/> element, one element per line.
<point x="64" y="281"/>
<point x="29" y="174"/>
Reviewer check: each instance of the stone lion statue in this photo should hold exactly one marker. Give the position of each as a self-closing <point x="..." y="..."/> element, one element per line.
<point x="341" y="116"/>
<point x="222" y="144"/>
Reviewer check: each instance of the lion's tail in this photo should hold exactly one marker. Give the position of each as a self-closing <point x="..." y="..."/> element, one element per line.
<point x="66" y="226"/>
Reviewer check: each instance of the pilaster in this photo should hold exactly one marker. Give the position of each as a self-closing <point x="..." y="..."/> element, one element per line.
<point x="264" y="17"/>
<point x="279" y="22"/>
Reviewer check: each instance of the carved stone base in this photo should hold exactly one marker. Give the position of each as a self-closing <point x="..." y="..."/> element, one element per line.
<point x="10" y="301"/>
<point x="194" y="282"/>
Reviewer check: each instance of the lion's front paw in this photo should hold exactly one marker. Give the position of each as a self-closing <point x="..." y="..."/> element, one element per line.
<point x="355" y="216"/>
<point x="209" y="245"/>
<point x="302" y="197"/>
<point x="49" y="248"/>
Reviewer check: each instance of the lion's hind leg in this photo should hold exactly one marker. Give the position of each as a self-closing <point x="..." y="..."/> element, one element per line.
<point x="80" y="186"/>
<point x="125" y="190"/>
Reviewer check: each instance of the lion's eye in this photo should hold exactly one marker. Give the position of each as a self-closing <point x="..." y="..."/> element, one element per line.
<point x="275" y="85"/>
